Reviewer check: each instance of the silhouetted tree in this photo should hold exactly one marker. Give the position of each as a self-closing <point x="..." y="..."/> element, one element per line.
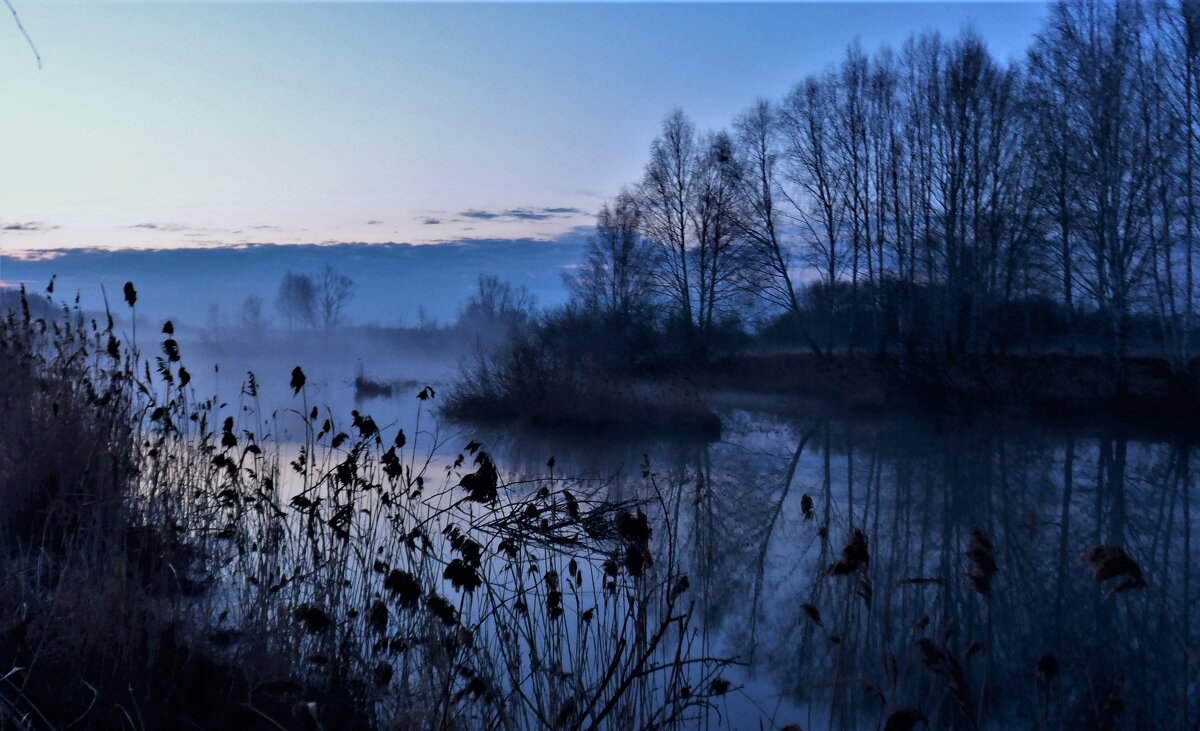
<point x="715" y="212"/>
<point x="767" y="269"/>
<point x="297" y="299"/>
<point x="250" y="314"/>
<point x="1101" y="47"/>
<point x="496" y="308"/>
<point x="815" y="180"/>
<point x="614" y="281"/>
<point x="938" y="195"/>
<point x="666" y="196"/>
<point x="334" y="291"/>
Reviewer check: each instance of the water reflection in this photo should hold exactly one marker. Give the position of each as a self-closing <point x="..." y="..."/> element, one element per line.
<point x="1045" y="647"/>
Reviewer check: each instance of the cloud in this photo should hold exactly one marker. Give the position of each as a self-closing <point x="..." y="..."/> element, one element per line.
<point x="192" y="231"/>
<point x="521" y="214"/>
<point x="29" y="226"/>
<point x="431" y="221"/>
<point x="373" y="222"/>
<point x="525" y="214"/>
<point x="172" y="227"/>
<point x="34" y="255"/>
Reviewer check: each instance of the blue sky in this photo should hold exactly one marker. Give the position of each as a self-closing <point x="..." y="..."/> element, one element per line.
<point x="175" y="124"/>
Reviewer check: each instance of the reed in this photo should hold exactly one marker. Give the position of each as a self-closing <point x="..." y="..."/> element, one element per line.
<point x="172" y="561"/>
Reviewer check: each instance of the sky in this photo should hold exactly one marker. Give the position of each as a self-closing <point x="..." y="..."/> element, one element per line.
<point x="168" y="124"/>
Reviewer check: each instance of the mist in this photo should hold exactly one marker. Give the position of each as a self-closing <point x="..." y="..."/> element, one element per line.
<point x="393" y="282"/>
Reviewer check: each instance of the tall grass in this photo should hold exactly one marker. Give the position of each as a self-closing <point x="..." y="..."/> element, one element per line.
<point x="171" y="561"/>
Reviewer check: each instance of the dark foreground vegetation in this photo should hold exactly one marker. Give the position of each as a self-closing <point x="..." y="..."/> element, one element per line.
<point x="172" y="562"/>
<point x="932" y="205"/>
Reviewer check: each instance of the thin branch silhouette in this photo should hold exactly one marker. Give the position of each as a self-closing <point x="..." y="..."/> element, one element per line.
<point x="21" y="27"/>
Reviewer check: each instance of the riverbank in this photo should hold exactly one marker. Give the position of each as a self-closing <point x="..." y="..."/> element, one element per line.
<point x="608" y="406"/>
<point x="1046" y="387"/>
<point x="679" y="398"/>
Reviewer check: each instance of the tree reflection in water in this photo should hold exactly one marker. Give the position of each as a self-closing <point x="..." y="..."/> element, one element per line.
<point x="1046" y="646"/>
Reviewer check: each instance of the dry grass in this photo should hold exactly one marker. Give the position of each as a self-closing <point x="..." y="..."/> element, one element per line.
<point x="170" y="564"/>
<point x="529" y="383"/>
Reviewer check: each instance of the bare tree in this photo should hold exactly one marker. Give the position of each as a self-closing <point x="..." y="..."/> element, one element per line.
<point x="816" y="199"/>
<point x="334" y="292"/>
<point x="666" y="195"/>
<point x="251" y="315"/>
<point x="1171" y="80"/>
<point x="614" y="281"/>
<point x="769" y="253"/>
<point x="297" y="300"/>
<point x="1056" y="141"/>
<point x="496" y="307"/>
<point x="714" y="215"/>
<point x="936" y="190"/>
<point x="1101" y="43"/>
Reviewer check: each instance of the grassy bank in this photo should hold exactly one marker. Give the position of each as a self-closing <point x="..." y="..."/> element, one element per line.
<point x="534" y="383"/>
<point x="1146" y="391"/>
<point x="531" y="385"/>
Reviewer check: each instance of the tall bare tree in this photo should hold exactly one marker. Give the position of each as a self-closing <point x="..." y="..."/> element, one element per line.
<point x="666" y="195"/>
<point x="615" y="280"/>
<point x="715" y="213"/>
<point x="297" y="299"/>
<point x="770" y="253"/>
<point x="817" y="205"/>
<point x="334" y="292"/>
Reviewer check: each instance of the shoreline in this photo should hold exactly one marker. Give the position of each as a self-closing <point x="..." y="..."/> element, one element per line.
<point x="1045" y="388"/>
<point x="1048" y="389"/>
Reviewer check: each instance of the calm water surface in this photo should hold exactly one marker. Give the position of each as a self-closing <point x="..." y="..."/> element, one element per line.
<point x="909" y="629"/>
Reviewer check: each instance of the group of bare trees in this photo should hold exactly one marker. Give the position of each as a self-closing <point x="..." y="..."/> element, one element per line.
<point x="496" y="308"/>
<point x="921" y="198"/>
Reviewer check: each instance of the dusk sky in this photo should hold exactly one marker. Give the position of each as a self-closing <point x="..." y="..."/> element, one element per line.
<point x="168" y="124"/>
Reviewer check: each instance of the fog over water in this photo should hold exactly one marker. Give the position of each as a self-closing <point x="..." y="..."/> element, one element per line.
<point x="819" y="649"/>
<point x="796" y="366"/>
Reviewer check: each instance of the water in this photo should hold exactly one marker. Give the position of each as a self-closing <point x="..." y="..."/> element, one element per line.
<point x="907" y="630"/>
<point x="734" y="510"/>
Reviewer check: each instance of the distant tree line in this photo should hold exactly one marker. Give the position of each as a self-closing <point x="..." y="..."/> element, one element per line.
<point x="493" y="312"/>
<point x="933" y="197"/>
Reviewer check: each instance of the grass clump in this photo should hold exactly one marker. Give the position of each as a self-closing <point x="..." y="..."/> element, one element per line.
<point x="529" y="383"/>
